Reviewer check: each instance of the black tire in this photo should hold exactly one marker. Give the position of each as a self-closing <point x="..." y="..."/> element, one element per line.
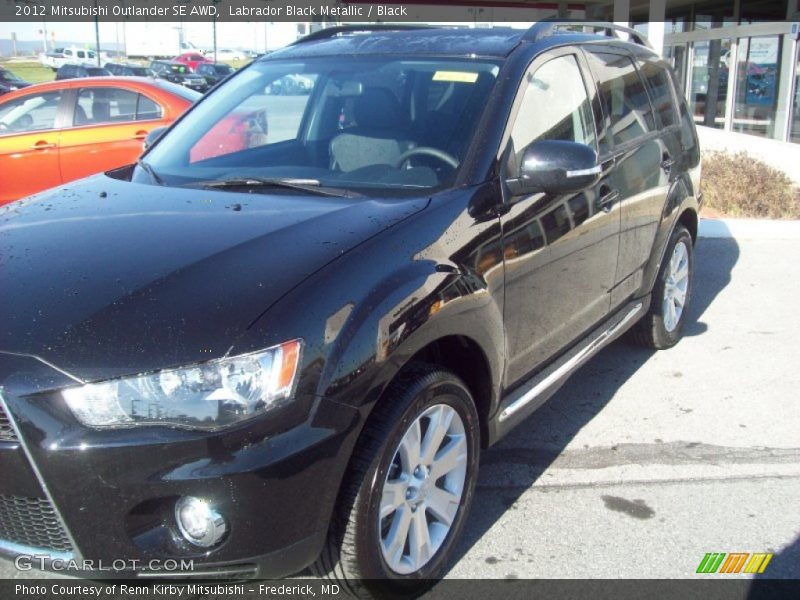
<point x="352" y="556"/>
<point x="650" y="331"/>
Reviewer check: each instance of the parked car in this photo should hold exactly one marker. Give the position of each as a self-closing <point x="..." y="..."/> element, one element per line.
<point x="213" y="73"/>
<point x="76" y="71"/>
<point x="66" y="56"/>
<point x="10" y="82"/>
<point x="293" y="353"/>
<point x="178" y="73"/>
<point x="53" y="133"/>
<point x="291" y="85"/>
<point x="228" y="54"/>
<point x="192" y="60"/>
<point x="126" y="70"/>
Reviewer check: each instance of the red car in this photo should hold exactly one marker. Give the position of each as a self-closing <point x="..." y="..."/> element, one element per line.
<point x="192" y="59"/>
<point x="52" y="133"/>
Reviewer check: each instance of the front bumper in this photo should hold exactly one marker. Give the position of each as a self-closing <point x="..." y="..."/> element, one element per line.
<point x="100" y="496"/>
<point x="197" y="87"/>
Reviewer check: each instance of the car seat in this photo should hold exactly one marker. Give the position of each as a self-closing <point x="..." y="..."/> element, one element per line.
<point x="380" y="135"/>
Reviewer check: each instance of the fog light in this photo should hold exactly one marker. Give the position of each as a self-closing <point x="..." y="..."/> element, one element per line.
<point x="198" y="522"/>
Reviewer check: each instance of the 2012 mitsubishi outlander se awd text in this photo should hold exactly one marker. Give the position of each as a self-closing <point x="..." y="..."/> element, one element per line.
<point x="290" y="350"/>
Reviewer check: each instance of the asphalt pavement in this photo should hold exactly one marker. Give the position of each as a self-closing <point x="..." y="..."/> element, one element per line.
<point x="646" y="461"/>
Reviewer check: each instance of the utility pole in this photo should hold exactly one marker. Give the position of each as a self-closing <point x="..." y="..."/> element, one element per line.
<point x="97" y="34"/>
<point x="214" y="24"/>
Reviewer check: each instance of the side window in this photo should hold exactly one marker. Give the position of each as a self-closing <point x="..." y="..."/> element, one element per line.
<point x="625" y="103"/>
<point x="105" y="105"/>
<point x="658" y="84"/>
<point x="555" y="106"/>
<point x="36" y="112"/>
<point x="81" y="54"/>
<point x="147" y="109"/>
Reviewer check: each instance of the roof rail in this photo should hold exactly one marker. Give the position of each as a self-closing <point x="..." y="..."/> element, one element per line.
<point x="330" y="32"/>
<point x="548" y="27"/>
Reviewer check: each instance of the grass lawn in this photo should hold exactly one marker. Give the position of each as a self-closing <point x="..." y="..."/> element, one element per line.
<point x="30" y="71"/>
<point x="35" y="73"/>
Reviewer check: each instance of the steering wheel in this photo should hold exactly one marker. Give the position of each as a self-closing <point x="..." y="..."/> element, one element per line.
<point x="443" y="156"/>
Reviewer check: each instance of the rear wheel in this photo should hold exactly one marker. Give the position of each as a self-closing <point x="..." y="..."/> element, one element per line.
<point x="408" y="489"/>
<point x="662" y="326"/>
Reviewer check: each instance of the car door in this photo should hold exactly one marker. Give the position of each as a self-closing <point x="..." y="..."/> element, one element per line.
<point x="642" y="161"/>
<point x="560" y="251"/>
<point x="108" y="129"/>
<point x="29" y="144"/>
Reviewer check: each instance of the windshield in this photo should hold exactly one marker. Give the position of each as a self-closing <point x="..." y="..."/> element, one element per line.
<point x="372" y="123"/>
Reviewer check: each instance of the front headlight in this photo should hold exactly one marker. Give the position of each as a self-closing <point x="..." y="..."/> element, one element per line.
<point x="202" y="396"/>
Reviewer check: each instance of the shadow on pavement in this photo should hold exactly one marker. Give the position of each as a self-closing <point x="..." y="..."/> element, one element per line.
<point x="784" y="565"/>
<point x="531" y="448"/>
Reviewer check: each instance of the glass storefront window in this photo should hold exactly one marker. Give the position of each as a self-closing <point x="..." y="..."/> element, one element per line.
<point x="757" y="77"/>
<point x="709" y="85"/>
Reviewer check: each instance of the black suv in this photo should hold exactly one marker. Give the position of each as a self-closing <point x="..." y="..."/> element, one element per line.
<point x="179" y="73"/>
<point x="214" y="72"/>
<point x="127" y="70"/>
<point x="284" y="336"/>
<point x="76" y="71"/>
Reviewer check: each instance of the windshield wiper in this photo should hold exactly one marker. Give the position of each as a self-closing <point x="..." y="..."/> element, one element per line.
<point x="150" y="171"/>
<point x="311" y="186"/>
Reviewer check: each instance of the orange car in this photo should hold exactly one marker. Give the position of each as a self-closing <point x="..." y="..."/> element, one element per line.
<point x="52" y="133"/>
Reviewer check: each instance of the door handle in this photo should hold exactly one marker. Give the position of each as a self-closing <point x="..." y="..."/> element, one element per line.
<point x="43" y="145"/>
<point x="605" y="201"/>
<point x="140" y="135"/>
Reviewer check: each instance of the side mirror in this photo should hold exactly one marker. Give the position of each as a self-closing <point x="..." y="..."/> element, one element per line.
<point x="153" y="136"/>
<point x="556" y="167"/>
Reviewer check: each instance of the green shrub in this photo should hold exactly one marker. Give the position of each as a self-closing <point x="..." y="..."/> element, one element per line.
<point x="741" y="186"/>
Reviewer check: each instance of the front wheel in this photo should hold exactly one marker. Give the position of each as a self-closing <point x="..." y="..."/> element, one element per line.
<point x="409" y="487"/>
<point x="662" y="326"/>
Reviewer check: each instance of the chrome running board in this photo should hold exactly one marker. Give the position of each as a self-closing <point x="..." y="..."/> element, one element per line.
<point x="540" y="386"/>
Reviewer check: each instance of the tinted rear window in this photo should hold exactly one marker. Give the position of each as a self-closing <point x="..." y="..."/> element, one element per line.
<point x="178" y="90"/>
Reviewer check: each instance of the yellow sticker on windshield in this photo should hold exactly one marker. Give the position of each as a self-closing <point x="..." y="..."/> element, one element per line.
<point x="459" y="76"/>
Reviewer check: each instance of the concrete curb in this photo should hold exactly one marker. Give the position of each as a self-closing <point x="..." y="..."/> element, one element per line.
<point x="749" y="229"/>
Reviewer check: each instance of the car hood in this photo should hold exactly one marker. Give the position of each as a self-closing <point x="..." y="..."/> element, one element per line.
<point x="106" y="277"/>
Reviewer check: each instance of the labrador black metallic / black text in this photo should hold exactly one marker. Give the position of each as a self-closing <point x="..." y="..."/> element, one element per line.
<point x="284" y="336"/>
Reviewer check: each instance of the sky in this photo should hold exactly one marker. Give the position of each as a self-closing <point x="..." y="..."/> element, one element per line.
<point x="232" y="34"/>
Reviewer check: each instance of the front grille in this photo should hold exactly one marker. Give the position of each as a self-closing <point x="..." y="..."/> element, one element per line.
<point x="6" y="431"/>
<point x="32" y="522"/>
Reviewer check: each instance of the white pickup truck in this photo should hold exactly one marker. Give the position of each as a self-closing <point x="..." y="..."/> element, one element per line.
<point x="67" y="56"/>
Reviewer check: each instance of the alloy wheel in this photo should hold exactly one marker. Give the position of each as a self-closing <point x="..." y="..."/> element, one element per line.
<point x="423" y="489"/>
<point x="676" y="286"/>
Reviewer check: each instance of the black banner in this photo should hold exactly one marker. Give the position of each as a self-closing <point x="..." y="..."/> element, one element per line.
<point x="455" y="589"/>
<point x="234" y="10"/>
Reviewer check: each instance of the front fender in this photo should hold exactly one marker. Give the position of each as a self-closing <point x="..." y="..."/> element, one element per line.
<point x="438" y="273"/>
